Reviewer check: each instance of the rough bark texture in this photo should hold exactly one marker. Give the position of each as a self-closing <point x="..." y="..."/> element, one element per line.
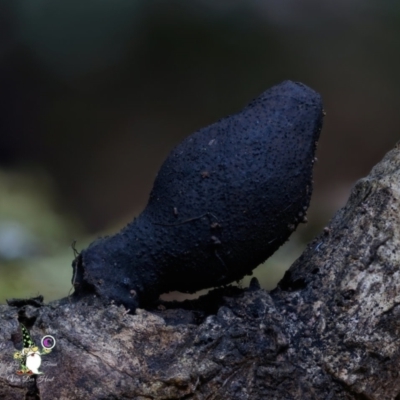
<point x="329" y="331"/>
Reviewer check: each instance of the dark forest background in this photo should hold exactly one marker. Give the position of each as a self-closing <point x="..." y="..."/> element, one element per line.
<point x="94" y="95"/>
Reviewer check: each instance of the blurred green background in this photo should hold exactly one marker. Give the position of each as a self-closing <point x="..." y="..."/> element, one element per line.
<point x="94" y="94"/>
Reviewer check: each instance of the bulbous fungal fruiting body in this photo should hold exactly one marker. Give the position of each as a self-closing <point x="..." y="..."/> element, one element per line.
<point x="224" y="200"/>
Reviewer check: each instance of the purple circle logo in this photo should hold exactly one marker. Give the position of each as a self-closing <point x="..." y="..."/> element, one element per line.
<point x="48" y="342"/>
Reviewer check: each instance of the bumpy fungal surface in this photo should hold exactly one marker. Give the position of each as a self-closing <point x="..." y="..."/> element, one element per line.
<point x="224" y="201"/>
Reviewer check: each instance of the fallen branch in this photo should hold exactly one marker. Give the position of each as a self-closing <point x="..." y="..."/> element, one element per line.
<point x="330" y="330"/>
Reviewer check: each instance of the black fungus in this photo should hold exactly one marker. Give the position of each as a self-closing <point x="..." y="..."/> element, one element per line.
<point x="224" y="200"/>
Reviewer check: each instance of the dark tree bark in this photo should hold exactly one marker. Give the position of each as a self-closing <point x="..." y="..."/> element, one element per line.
<point x="331" y="330"/>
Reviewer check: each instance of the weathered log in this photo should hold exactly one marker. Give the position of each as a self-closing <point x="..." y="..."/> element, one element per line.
<point x="330" y="330"/>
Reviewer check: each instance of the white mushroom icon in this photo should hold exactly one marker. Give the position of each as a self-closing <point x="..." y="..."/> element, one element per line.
<point x="33" y="361"/>
<point x="30" y="357"/>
